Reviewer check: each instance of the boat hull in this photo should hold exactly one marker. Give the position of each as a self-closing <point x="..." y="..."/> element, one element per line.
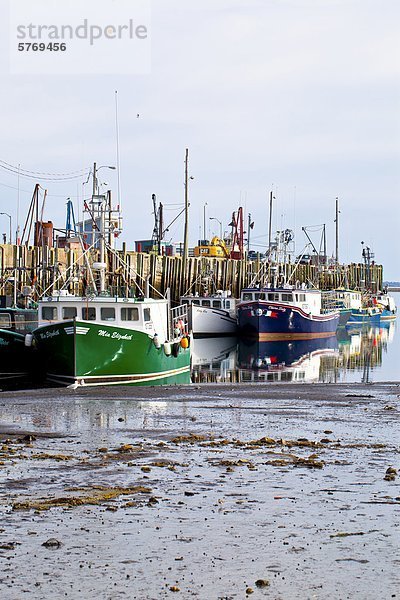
<point x="388" y="316"/>
<point x="344" y="316"/>
<point x="17" y="364"/>
<point x="277" y="321"/>
<point x="364" y="316"/>
<point x="85" y="353"/>
<point x="205" y="321"/>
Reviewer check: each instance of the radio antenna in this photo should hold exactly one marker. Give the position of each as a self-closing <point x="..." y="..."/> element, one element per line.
<point x="117" y="149"/>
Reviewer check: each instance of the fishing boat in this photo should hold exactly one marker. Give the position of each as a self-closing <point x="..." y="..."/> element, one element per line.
<point x="351" y="307"/>
<point x="387" y="306"/>
<point x="109" y="336"/>
<point x="279" y="313"/>
<point x="106" y="340"/>
<point x="211" y="315"/>
<point x="355" y="308"/>
<point x="16" y="360"/>
<point x="366" y="315"/>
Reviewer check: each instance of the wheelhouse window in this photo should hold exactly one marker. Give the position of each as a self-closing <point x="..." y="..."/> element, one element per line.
<point x="108" y="313"/>
<point x="196" y="302"/>
<point x="227" y="303"/>
<point x="49" y="313"/>
<point x="89" y="313"/>
<point x="247" y="296"/>
<point x="206" y="303"/>
<point x="19" y="322"/>
<point x="69" y="312"/>
<point x="5" y="321"/>
<point x="287" y="298"/>
<point x="129" y="314"/>
<point x="216" y="303"/>
<point x="302" y="297"/>
<point x="273" y="297"/>
<point x="146" y="314"/>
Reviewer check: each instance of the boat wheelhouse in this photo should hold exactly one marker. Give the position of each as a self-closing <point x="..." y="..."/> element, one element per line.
<point x="284" y="313"/>
<point x="343" y="300"/>
<point x="387" y="305"/>
<point x="211" y="315"/>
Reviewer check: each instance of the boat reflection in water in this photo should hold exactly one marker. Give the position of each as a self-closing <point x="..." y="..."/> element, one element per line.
<point x="351" y="355"/>
<point x="362" y="351"/>
<point x="289" y="360"/>
<point x="214" y="359"/>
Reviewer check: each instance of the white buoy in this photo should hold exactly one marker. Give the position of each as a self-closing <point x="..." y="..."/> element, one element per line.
<point x="167" y="348"/>
<point x="28" y="340"/>
<point x="156" y="341"/>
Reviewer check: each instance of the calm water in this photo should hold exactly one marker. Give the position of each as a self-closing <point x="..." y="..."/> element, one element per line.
<point x="352" y="355"/>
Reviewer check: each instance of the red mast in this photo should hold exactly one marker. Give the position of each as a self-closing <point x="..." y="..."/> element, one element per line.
<point x="237" y="250"/>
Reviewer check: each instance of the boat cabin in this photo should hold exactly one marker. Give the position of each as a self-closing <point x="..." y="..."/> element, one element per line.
<point x="19" y="320"/>
<point x="224" y="302"/>
<point x="348" y="299"/>
<point x="387" y="302"/>
<point x="148" y="315"/>
<point x="308" y="300"/>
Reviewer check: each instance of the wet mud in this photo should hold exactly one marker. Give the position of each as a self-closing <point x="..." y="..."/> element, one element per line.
<point x="210" y="492"/>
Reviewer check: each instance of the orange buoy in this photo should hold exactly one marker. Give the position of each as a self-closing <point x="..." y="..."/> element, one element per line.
<point x="184" y="342"/>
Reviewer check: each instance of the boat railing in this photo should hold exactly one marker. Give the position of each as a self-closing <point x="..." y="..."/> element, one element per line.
<point x="330" y="302"/>
<point x="179" y="323"/>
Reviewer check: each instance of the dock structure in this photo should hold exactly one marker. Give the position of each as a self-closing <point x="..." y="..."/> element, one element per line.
<point x="46" y="268"/>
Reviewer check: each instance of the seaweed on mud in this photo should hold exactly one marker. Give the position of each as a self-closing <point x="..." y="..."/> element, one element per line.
<point x="91" y="496"/>
<point x="191" y="438"/>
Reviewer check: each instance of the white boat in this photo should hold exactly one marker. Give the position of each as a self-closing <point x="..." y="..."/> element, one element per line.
<point x="213" y="315"/>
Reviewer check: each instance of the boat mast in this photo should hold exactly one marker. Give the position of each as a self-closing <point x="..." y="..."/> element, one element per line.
<point x="186" y="230"/>
<point x="337" y="231"/>
<point x="101" y="208"/>
<point x="270" y="221"/>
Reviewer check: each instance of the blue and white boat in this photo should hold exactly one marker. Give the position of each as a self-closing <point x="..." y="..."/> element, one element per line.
<point x="369" y="315"/>
<point x="284" y="313"/>
<point x="361" y="310"/>
<point x="387" y="306"/>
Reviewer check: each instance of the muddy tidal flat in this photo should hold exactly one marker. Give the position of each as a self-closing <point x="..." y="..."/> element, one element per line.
<point x="202" y="491"/>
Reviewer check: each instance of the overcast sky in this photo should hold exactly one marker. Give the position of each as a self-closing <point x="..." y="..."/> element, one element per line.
<point x="298" y="96"/>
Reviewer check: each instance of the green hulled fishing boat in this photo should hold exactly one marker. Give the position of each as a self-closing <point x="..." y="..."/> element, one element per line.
<point x="111" y="341"/>
<point x="92" y="333"/>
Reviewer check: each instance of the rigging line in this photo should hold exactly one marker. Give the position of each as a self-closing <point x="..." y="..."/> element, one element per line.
<point x="13" y="187"/>
<point x="41" y="177"/>
<point x="43" y="172"/>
